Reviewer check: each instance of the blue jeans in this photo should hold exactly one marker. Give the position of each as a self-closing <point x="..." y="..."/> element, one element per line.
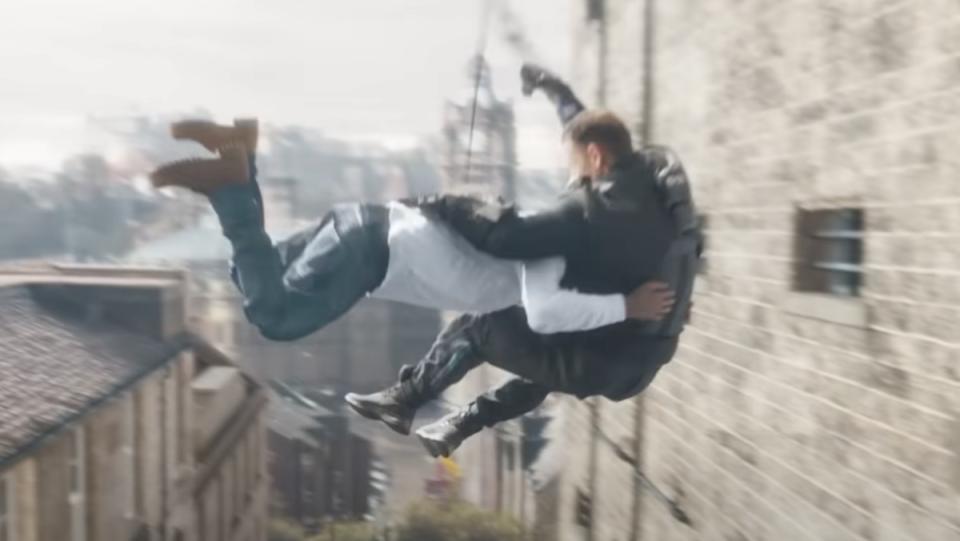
<point x="301" y="284"/>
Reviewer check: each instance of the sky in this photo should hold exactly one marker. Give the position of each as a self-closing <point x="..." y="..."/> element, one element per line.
<point x="358" y="69"/>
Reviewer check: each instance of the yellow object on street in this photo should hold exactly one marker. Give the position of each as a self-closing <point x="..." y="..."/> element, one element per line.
<point x="451" y="467"/>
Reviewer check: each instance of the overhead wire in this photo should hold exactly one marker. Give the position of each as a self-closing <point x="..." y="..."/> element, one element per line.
<point x="479" y="54"/>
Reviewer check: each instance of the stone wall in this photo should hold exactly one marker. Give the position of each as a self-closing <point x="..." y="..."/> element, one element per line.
<point x="787" y="415"/>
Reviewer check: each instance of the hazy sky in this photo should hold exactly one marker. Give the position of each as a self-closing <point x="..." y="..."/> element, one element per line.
<point x="352" y="68"/>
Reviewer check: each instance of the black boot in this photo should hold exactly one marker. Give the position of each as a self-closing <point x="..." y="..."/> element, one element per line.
<point x="442" y="437"/>
<point x="395" y="407"/>
<point x="535" y="77"/>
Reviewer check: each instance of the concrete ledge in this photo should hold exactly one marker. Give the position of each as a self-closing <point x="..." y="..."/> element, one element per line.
<point x="848" y="311"/>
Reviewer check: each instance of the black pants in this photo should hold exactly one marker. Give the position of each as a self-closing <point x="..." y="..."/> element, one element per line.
<point x="614" y="366"/>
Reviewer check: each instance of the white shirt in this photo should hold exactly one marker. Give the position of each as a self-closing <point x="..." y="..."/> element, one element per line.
<point x="431" y="265"/>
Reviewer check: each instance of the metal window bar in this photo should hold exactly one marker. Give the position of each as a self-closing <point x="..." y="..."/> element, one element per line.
<point x="838" y="235"/>
<point x="840" y="240"/>
<point x="838" y="267"/>
<point x="834" y="234"/>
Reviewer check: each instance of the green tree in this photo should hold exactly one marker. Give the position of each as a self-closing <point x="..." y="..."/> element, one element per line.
<point x="347" y="531"/>
<point x="457" y="521"/>
<point x="283" y="530"/>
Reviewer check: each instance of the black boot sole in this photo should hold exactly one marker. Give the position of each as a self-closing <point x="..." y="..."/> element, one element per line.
<point x="435" y="448"/>
<point x="398" y="427"/>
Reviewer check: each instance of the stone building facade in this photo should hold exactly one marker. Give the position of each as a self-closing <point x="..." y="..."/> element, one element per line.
<point x="815" y="394"/>
<point x="477" y="151"/>
<point x="321" y="469"/>
<point x="116" y="422"/>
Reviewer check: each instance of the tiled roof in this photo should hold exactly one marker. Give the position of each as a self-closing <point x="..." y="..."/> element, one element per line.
<point x="292" y="421"/>
<point x="54" y="367"/>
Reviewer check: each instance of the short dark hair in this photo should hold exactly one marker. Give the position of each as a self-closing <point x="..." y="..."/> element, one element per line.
<point x="603" y="128"/>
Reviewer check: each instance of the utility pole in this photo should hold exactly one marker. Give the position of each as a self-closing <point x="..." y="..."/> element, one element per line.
<point x="646" y="134"/>
<point x="598" y="15"/>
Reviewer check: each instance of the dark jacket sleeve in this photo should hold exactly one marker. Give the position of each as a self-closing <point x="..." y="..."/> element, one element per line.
<point x="501" y="231"/>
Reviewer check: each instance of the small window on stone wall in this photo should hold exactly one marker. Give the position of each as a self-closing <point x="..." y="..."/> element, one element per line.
<point x="583" y="509"/>
<point x="595" y="10"/>
<point x="76" y="498"/>
<point x="828" y="251"/>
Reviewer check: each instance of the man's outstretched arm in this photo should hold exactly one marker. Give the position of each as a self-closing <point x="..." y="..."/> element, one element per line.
<point x="505" y="232"/>
<point x="534" y="77"/>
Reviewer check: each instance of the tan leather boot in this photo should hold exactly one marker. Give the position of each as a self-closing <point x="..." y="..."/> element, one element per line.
<point x="215" y="137"/>
<point x="205" y="175"/>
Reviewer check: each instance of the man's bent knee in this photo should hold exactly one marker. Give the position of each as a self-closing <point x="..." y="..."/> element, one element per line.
<point x="277" y="334"/>
<point x="275" y="327"/>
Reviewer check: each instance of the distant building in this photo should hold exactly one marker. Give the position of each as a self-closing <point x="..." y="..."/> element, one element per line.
<point x="298" y="447"/>
<point x="320" y="469"/>
<point x="489" y="148"/>
<point x="117" y="423"/>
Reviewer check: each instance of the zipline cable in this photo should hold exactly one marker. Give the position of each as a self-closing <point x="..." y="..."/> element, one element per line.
<point x="477" y="79"/>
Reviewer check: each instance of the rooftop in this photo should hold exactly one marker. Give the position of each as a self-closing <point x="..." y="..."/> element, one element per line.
<point x="55" y="367"/>
<point x="294" y="421"/>
<point x="56" y="363"/>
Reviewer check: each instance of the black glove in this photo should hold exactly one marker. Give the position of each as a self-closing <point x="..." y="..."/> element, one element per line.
<point x="533" y="77"/>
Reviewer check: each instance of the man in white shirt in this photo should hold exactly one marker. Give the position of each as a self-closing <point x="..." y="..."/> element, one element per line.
<point x="393" y="251"/>
<point x="630" y="219"/>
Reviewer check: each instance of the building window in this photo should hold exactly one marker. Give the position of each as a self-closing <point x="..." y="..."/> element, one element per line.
<point x="829" y="251"/>
<point x="78" y="486"/>
<point x="595" y="10"/>
<point x="130" y="456"/>
<point x="583" y="509"/>
<point x="7" y="513"/>
<point x="478" y="142"/>
<point x="509" y="456"/>
<point x="183" y="393"/>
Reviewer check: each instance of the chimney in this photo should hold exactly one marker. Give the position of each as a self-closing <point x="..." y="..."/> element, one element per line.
<point x="150" y="304"/>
